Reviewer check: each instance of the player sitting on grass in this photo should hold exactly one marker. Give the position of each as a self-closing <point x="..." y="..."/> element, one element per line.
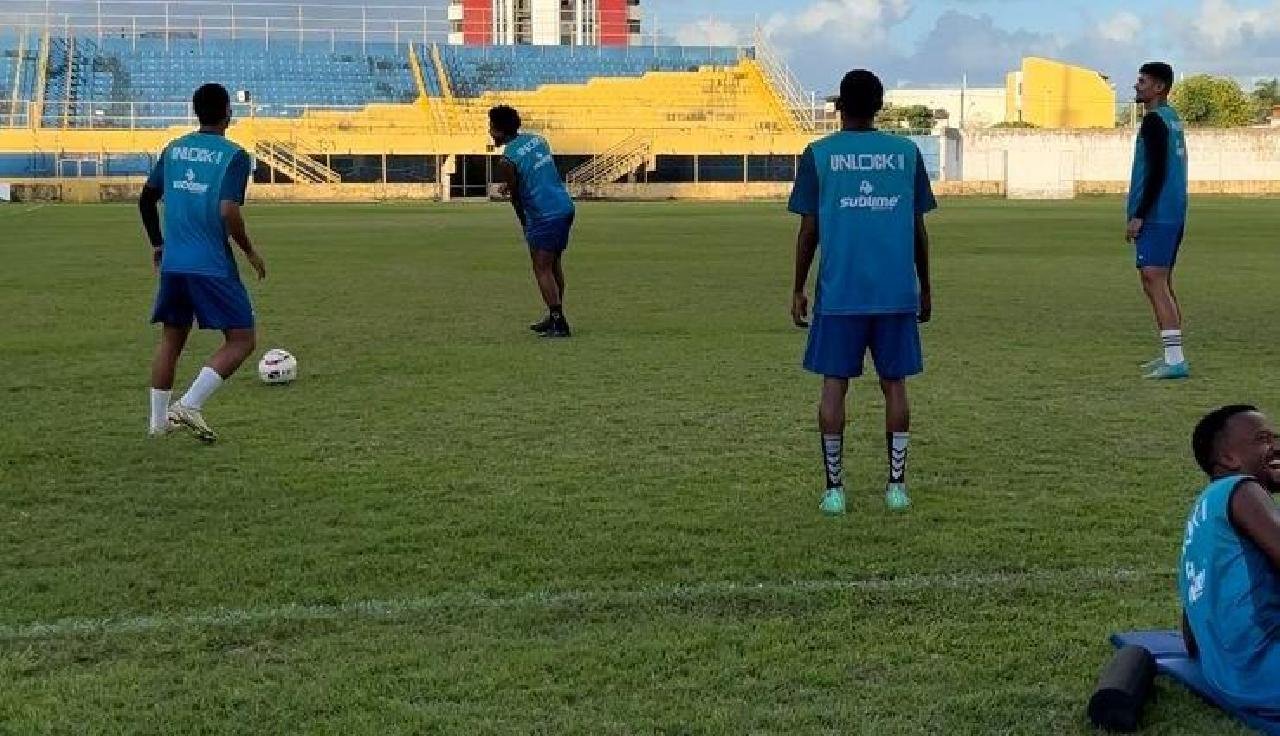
<point x="202" y="179"/>
<point x="862" y="196"/>
<point x="544" y="207"/>
<point x="1229" y="578"/>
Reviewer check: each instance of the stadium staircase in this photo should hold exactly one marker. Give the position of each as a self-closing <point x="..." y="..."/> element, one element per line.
<point x="287" y="159"/>
<point x="623" y="158"/>
<point x="787" y="93"/>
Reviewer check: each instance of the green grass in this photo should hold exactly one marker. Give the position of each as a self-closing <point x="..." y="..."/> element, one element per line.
<point x="436" y="457"/>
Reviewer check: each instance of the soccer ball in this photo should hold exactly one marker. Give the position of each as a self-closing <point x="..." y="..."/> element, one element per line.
<point x="278" y="366"/>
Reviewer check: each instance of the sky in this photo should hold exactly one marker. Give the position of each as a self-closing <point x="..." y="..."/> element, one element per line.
<point x="928" y="42"/>
<point x="937" y="42"/>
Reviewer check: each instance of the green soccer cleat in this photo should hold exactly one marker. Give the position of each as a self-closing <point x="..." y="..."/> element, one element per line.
<point x="896" y="498"/>
<point x="193" y="420"/>
<point x="833" y="502"/>
<point x="1166" y="372"/>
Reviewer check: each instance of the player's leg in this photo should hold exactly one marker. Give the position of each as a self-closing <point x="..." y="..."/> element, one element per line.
<point x="835" y="351"/>
<point x="1157" y="251"/>
<point x="163" y="367"/>
<point x="220" y="304"/>
<point x="173" y="309"/>
<point x="544" y="270"/>
<point x="559" y="273"/>
<point x="895" y="347"/>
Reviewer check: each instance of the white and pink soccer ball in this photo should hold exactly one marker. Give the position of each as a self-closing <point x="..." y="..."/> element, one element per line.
<point x="277" y="367"/>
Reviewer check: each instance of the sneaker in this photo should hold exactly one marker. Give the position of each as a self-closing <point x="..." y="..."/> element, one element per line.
<point x="895" y="497"/>
<point x="1164" y="371"/>
<point x="832" y="502"/>
<point x="543" y="326"/>
<point x="1151" y="365"/>
<point x="193" y="420"/>
<point x="558" y="329"/>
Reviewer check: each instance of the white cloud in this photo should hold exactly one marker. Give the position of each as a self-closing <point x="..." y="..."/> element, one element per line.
<point x="708" y="32"/>
<point x="1123" y="27"/>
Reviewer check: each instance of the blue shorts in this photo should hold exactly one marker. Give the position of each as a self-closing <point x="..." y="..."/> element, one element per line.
<point x="838" y="343"/>
<point x="1158" y="244"/>
<point x="551" y="234"/>
<point x="218" y="302"/>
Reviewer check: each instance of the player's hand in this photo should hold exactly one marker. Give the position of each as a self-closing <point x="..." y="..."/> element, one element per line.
<point x="157" y="255"/>
<point x="799" y="309"/>
<point x="1131" y="232"/>
<point x="259" y="266"/>
<point x="926" y="307"/>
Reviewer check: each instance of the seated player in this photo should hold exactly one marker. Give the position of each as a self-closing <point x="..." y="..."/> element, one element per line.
<point x="542" y="204"/>
<point x="1229" y="579"/>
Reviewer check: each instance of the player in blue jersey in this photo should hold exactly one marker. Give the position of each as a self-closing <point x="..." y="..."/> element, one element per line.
<point x="201" y="177"/>
<point x="544" y="207"/>
<point x="1158" y="212"/>
<point x="862" y="196"/>
<point x="1229" y="576"/>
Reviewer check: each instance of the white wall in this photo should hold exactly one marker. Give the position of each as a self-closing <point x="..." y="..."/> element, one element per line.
<point x="546" y="22"/>
<point x="1047" y="163"/>
<point x="978" y="107"/>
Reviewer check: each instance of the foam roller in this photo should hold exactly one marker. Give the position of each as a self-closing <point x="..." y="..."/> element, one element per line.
<point x="1123" y="690"/>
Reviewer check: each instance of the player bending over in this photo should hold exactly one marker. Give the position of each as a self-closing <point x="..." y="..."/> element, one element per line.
<point x="542" y="203"/>
<point x="862" y="196"/>
<point x="1229" y="579"/>
<point x="202" y="179"/>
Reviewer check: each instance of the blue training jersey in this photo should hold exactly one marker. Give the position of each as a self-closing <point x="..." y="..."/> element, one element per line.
<point x="195" y="174"/>
<point x="866" y="188"/>
<point x="1231" y="595"/>
<point x="542" y="191"/>
<point x="1171" y="204"/>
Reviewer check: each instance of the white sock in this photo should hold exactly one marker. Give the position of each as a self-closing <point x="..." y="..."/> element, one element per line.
<point x="1172" y="340"/>
<point x="202" y="388"/>
<point x="159" y="409"/>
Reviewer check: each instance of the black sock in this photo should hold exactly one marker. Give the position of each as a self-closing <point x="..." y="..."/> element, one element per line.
<point x="833" y="459"/>
<point x="557" y="312"/>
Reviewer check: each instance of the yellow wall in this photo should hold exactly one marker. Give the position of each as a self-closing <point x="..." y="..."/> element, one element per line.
<point x="1058" y="95"/>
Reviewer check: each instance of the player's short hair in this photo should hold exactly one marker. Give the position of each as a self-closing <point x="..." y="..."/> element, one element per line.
<point x="505" y="118"/>
<point x="1208" y="431"/>
<point x="210" y="103"/>
<point x="1159" y="71"/>
<point x="861" y="94"/>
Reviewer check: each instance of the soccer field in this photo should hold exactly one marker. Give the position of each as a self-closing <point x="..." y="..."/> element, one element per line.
<point x="449" y="526"/>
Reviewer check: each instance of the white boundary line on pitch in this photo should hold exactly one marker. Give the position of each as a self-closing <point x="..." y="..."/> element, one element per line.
<point x="399" y="608"/>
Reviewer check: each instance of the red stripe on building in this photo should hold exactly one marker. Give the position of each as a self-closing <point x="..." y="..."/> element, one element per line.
<point x="612" y="22"/>
<point x="477" y="22"/>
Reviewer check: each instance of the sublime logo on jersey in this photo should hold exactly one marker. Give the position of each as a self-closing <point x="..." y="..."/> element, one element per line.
<point x="868" y="201"/>
<point x="868" y="162"/>
<point x="189" y="184"/>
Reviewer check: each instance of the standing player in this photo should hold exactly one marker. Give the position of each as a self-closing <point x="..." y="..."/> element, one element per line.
<point x="202" y="179"/>
<point x="1158" y="211"/>
<point x="862" y="195"/>
<point x="544" y="207"/>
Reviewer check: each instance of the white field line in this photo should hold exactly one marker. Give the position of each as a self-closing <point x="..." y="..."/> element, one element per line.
<point x="407" y="607"/>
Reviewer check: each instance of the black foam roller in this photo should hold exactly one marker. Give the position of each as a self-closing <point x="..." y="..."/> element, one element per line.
<point x="1123" y="690"/>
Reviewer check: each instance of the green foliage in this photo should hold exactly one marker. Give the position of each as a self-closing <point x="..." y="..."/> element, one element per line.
<point x="1016" y="124"/>
<point x="912" y="117"/>
<point x="1213" y="102"/>
<point x="1265" y="95"/>
<point x="617" y="534"/>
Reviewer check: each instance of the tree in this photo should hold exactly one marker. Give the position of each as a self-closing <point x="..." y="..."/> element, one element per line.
<point x="1209" y="101"/>
<point x="913" y="117"/>
<point x="1266" y="95"/>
